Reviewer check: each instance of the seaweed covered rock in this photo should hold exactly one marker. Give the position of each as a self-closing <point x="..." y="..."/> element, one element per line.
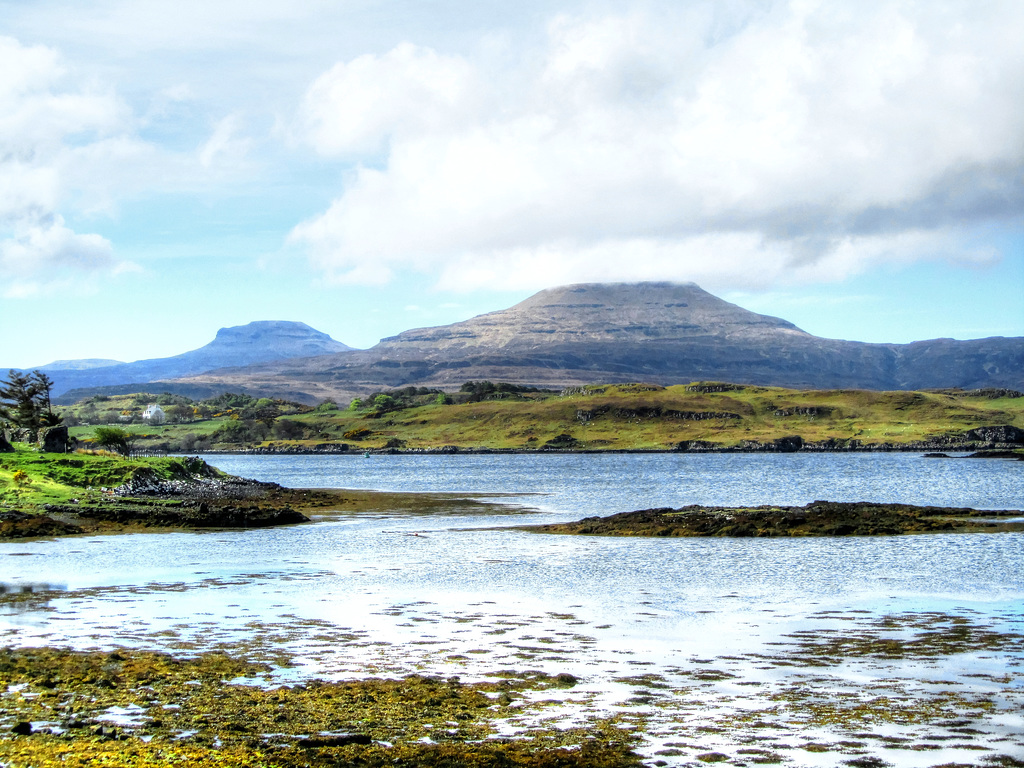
<point x="820" y="518"/>
<point x="19" y="525"/>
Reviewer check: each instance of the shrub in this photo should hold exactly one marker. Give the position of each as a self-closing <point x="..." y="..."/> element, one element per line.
<point x="287" y="429"/>
<point x="115" y="439"/>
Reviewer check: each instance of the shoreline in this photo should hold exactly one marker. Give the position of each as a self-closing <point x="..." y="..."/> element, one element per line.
<point x="258" y="505"/>
<point x="977" y="450"/>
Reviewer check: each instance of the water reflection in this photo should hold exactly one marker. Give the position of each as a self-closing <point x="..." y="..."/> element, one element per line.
<point x="24" y="597"/>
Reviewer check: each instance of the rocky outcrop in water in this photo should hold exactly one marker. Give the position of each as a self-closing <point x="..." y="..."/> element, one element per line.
<point x="820" y="518"/>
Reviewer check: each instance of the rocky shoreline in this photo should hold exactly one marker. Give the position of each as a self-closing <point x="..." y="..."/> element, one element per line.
<point x="146" y="502"/>
<point x="977" y="449"/>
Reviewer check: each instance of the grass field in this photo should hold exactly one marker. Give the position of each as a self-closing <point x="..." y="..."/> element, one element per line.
<point x="30" y="479"/>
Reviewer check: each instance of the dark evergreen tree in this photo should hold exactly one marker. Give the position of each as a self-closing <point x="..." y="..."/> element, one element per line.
<point x="25" y="400"/>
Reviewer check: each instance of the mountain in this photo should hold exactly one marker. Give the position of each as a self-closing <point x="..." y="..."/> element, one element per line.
<point x="77" y="365"/>
<point x="619" y="332"/>
<point x="241" y="345"/>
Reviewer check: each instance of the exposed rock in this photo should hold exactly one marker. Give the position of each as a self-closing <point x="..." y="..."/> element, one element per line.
<point x="5" y="443"/>
<point x="789" y="444"/>
<point x="317" y="742"/>
<point x="810" y="411"/>
<point x="1004" y="434"/>
<point x="562" y="442"/>
<point x="820" y="518"/>
<point x="18" y="525"/>
<point x="53" y="439"/>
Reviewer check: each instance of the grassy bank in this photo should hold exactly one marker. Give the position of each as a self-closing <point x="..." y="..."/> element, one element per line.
<point x="618" y="417"/>
<point x="47" y="494"/>
<point x="30" y="479"/>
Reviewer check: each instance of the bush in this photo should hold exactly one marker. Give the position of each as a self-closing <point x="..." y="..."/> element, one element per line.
<point x="115" y="439"/>
<point x="229" y="400"/>
<point x="241" y="431"/>
<point x="357" y="434"/>
<point x="287" y="429"/>
<point x="385" y="403"/>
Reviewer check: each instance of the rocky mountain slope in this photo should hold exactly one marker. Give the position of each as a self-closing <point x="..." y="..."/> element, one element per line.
<point x="242" y="345"/>
<point x="604" y="333"/>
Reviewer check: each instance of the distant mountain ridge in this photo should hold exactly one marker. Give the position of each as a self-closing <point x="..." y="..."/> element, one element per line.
<point x="78" y="365"/>
<point x="258" y="342"/>
<point x="659" y="332"/>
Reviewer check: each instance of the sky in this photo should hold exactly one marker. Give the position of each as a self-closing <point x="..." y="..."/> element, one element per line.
<point x="171" y="168"/>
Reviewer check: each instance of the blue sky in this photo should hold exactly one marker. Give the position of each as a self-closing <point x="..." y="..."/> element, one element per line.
<point x="365" y="167"/>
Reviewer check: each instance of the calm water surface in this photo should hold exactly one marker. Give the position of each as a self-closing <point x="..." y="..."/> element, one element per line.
<point x="386" y="593"/>
<point x="601" y="484"/>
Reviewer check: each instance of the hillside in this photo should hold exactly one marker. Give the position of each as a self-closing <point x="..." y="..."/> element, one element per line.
<point x="664" y="333"/>
<point x="698" y="416"/>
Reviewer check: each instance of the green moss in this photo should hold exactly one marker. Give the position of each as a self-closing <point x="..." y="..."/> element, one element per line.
<point x="185" y="710"/>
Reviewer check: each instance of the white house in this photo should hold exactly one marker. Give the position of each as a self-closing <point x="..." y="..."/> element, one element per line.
<point x="154" y="414"/>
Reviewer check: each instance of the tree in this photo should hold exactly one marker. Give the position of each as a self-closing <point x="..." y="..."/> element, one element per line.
<point x="179" y="413"/>
<point x="115" y="439"/>
<point x="25" y="400"/>
<point x="43" y="386"/>
<point x="384" y="403"/>
<point x="17" y="400"/>
<point x="288" y="429"/>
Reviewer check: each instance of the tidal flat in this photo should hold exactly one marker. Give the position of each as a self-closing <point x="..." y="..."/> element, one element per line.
<point x="480" y="688"/>
<point x="430" y="637"/>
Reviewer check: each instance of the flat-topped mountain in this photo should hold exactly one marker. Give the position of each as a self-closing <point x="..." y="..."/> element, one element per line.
<point x="242" y="345"/>
<point x="597" y="313"/>
<point x="663" y="333"/>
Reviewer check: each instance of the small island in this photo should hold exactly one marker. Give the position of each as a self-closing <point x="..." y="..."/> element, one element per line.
<point x="819" y="518"/>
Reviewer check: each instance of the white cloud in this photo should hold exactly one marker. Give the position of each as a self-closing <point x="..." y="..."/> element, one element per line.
<point x="358" y="106"/>
<point x="734" y="145"/>
<point x="73" y="148"/>
<point x="43" y="129"/>
<point x="225" y="146"/>
<point x="45" y="254"/>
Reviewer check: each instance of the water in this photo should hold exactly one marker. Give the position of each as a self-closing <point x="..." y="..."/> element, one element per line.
<point x="580" y="484"/>
<point x="387" y="593"/>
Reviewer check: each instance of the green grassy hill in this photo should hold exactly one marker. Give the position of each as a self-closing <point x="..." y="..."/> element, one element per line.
<point x="615" y="417"/>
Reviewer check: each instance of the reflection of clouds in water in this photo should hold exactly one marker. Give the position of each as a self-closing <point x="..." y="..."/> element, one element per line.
<point x="23" y="597"/>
